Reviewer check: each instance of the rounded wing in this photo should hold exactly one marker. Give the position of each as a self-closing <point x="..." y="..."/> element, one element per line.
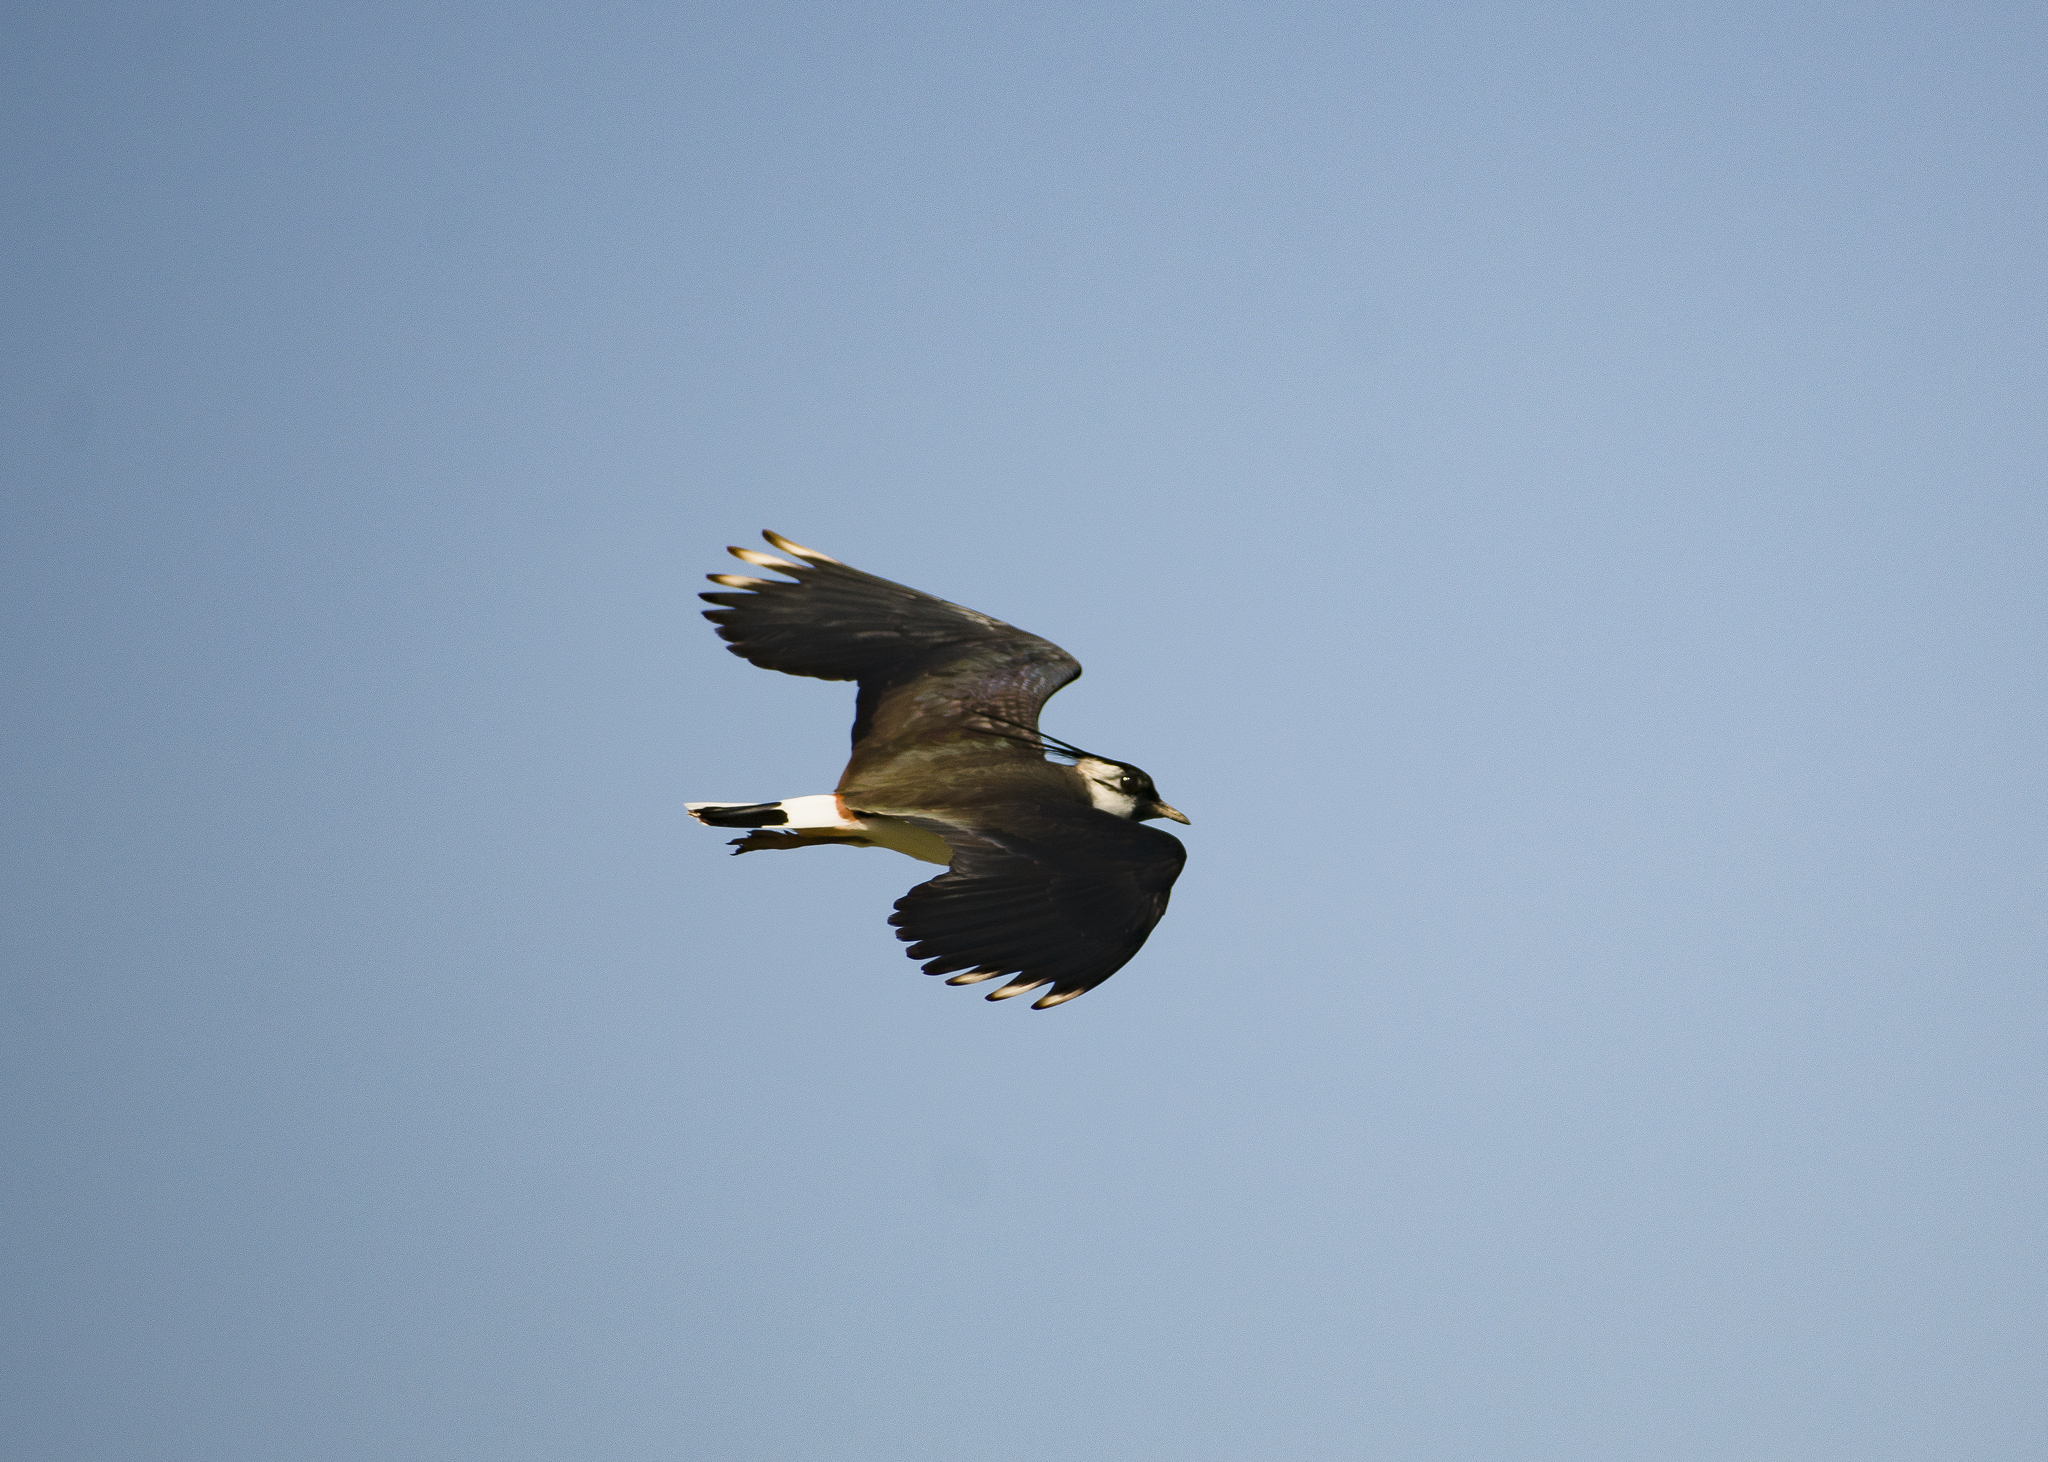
<point x="1050" y="896"/>
<point x="922" y="663"/>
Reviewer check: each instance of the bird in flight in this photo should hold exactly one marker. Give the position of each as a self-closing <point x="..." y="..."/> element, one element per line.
<point x="1052" y="877"/>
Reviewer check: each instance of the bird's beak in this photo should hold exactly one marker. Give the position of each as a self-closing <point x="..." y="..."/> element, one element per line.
<point x="1178" y="816"/>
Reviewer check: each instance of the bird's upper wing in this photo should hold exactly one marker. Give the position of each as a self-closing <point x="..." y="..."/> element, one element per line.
<point x="1061" y="895"/>
<point x="924" y="665"/>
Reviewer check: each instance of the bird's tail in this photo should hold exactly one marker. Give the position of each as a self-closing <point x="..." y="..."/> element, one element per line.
<point x="738" y="814"/>
<point x="796" y="822"/>
<point x="824" y="811"/>
<point x="810" y="822"/>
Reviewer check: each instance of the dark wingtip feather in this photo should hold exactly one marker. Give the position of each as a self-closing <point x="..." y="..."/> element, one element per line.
<point x="798" y="549"/>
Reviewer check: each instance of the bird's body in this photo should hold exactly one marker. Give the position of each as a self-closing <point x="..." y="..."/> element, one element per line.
<point x="1052" y="876"/>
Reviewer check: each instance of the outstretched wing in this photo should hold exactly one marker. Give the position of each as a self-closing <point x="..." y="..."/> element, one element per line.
<point x="924" y="665"/>
<point x="1060" y="896"/>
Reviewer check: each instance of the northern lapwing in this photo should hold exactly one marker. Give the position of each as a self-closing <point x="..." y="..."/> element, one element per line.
<point x="1052" y="877"/>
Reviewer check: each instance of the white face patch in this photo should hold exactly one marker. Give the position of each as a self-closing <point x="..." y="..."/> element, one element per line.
<point x="1104" y="781"/>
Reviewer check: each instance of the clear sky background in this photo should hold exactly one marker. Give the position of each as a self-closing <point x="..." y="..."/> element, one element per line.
<point x="1555" y="491"/>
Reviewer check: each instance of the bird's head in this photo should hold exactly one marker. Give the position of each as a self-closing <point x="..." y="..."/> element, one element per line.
<point x="1120" y="788"/>
<point x="1113" y="786"/>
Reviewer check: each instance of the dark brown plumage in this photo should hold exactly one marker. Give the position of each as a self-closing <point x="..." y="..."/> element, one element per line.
<point x="1052" y="877"/>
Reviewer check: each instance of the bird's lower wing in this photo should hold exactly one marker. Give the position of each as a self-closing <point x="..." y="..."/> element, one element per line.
<point x="1062" y="898"/>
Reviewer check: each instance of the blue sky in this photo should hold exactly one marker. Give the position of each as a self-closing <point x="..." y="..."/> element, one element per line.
<point x="1553" y="491"/>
